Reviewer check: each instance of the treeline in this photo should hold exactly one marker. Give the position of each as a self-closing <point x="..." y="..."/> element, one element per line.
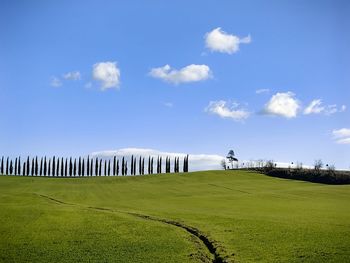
<point x="76" y="167"/>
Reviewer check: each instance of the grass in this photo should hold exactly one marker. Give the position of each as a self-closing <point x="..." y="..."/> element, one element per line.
<point x="249" y="217"/>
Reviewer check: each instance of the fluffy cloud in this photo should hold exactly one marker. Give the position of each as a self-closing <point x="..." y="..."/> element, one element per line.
<point x="73" y="75"/>
<point x="196" y="161"/>
<point x="219" y="40"/>
<point x="190" y="73"/>
<point x="227" y="110"/>
<point x="342" y="136"/>
<point x="168" y="104"/>
<point x="107" y="73"/>
<point x="316" y="107"/>
<point x="259" y="91"/>
<point x="55" y="82"/>
<point x="282" y="104"/>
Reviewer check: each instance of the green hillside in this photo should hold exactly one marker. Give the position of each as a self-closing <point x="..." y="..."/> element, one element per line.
<point x="203" y="216"/>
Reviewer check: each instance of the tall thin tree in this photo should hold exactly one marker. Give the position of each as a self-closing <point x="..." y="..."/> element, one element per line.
<point x="28" y="164"/>
<point x="88" y="166"/>
<point x="117" y="167"/>
<point x="75" y="167"/>
<point x="41" y="167"/>
<point x="16" y="166"/>
<point x="54" y="166"/>
<point x="45" y="166"/>
<point x="62" y="167"/>
<point x="114" y="165"/>
<point x="109" y="167"/>
<point x="49" y="168"/>
<point x="100" y="171"/>
<point x="83" y="168"/>
<point x="19" y="165"/>
<point x="66" y="167"/>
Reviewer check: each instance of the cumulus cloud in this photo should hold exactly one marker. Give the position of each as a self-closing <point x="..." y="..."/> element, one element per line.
<point x="282" y="104"/>
<point x="316" y="107"/>
<point x="168" y="104"/>
<point x="107" y="73"/>
<point x="190" y="73"/>
<point x="225" y="109"/>
<point x="342" y="136"/>
<point x="219" y="40"/>
<point x="259" y="91"/>
<point x="55" y="82"/>
<point x="73" y="75"/>
<point x="196" y="161"/>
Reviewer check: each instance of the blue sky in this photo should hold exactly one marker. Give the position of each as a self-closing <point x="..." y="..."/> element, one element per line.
<point x="78" y="77"/>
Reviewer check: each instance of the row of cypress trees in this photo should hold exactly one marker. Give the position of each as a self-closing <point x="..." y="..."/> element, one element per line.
<point x="68" y="167"/>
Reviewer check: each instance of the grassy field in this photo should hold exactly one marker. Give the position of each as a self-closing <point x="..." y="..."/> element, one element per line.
<point x="247" y="217"/>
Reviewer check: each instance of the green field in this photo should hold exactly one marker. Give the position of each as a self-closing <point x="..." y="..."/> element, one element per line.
<point x="246" y="217"/>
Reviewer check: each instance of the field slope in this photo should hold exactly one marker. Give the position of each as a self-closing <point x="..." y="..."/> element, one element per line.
<point x="211" y="216"/>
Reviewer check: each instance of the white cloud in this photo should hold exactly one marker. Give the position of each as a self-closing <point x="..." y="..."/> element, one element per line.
<point x="190" y="73"/>
<point x="107" y="73"/>
<point x="227" y="110"/>
<point x="283" y="104"/>
<point x="168" y="104"/>
<point x="219" y="40"/>
<point x="342" y="136"/>
<point x="259" y="91"/>
<point x="55" y="82"/>
<point x="316" y="107"/>
<point x="73" y="75"/>
<point x="196" y="161"/>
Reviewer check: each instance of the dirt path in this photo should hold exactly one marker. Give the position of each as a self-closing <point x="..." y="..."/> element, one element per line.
<point x="209" y="244"/>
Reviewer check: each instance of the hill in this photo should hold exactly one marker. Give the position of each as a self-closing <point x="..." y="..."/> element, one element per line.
<point x="212" y="216"/>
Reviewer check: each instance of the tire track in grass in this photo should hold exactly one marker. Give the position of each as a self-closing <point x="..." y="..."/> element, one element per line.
<point x="205" y="240"/>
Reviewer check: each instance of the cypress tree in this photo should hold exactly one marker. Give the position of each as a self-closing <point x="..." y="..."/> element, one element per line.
<point x="149" y="165"/>
<point x="58" y="166"/>
<point x="2" y="165"/>
<point x="117" y="167"/>
<point x="140" y="166"/>
<point x="126" y="168"/>
<point x="28" y="164"/>
<point x="54" y="166"/>
<point x="66" y="168"/>
<point x="83" y="168"/>
<point x="62" y="166"/>
<point x="7" y="166"/>
<point x="75" y="167"/>
<point x="96" y="167"/>
<point x="32" y="170"/>
<point x="91" y="166"/>
<point x="70" y="167"/>
<point x="132" y="164"/>
<point x="100" y="171"/>
<point x="11" y="168"/>
<point x="88" y="166"/>
<point x="45" y="166"/>
<point x="41" y="167"/>
<point x="24" y="168"/>
<point x="49" y="168"/>
<point x="123" y="168"/>
<point x="143" y="165"/>
<point x="105" y="168"/>
<point x="16" y="166"/>
<point x="135" y="166"/>
<point x="79" y="167"/>
<point x="36" y="169"/>
<point x="114" y="164"/>
<point x="19" y="165"/>
<point x="109" y="167"/>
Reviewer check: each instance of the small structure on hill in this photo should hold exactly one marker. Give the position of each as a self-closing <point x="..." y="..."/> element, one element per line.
<point x="231" y="158"/>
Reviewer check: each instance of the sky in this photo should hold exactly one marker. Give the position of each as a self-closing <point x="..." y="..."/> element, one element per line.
<point x="268" y="79"/>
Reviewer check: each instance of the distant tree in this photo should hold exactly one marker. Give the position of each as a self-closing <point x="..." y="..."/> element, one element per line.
<point x="70" y="167"/>
<point x="24" y="169"/>
<point x="109" y="167"/>
<point x="149" y="165"/>
<point x="33" y="166"/>
<point x="160" y="164"/>
<point x="54" y="166"/>
<point x="58" y="166"/>
<point x="223" y="164"/>
<point x="41" y="167"/>
<point x="2" y="165"/>
<point x="45" y="166"/>
<point x="66" y="167"/>
<point x="96" y="166"/>
<point x="19" y="165"/>
<point x="62" y="166"/>
<point x="91" y="166"/>
<point x="11" y="168"/>
<point x="100" y="171"/>
<point x="79" y="166"/>
<point x="143" y="165"/>
<point x="88" y="166"/>
<point x="105" y="168"/>
<point x="16" y="166"/>
<point x="117" y="167"/>
<point x="49" y="168"/>
<point x="231" y="157"/>
<point x="140" y="165"/>
<point x="135" y="166"/>
<point x="126" y="168"/>
<point x="152" y="165"/>
<point x="114" y="165"/>
<point x="36" y="165"/>
<point x="318" y="164"/>
<point x="75" y="167"/>
<point x="83" y="167"/>
<point x="123" y="166"/>
<point x="132" y="165"/>
<point x="28" y="164"/>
